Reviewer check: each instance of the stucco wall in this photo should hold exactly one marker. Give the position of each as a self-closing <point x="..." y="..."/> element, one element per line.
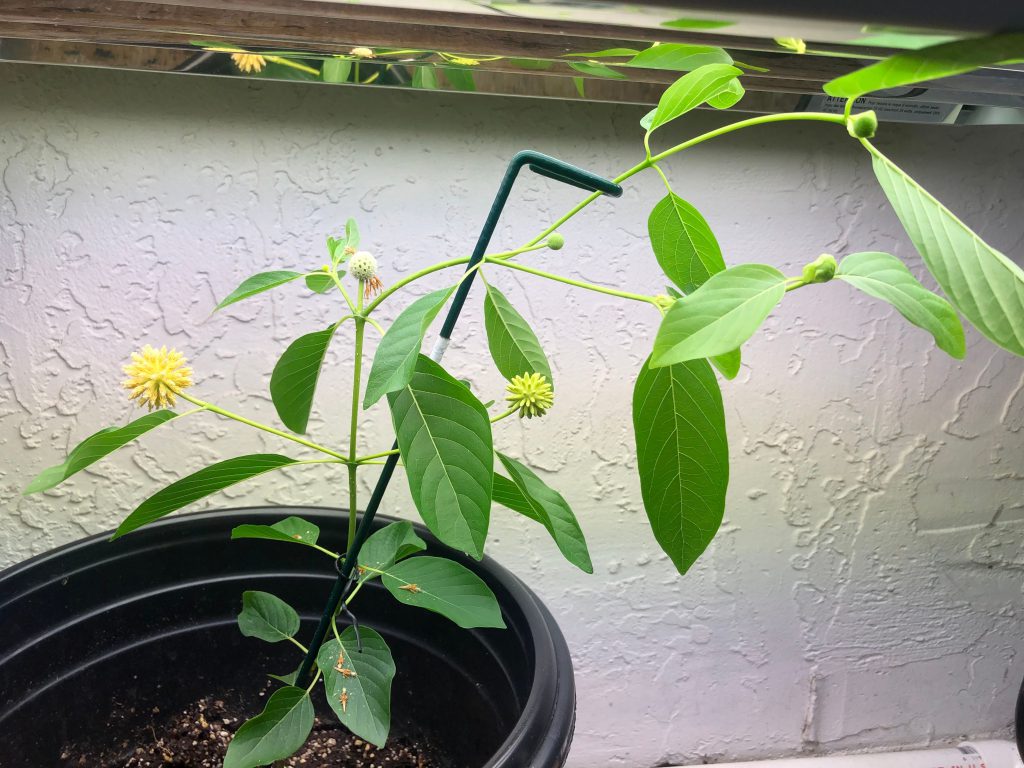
<point x="866" y="587"/>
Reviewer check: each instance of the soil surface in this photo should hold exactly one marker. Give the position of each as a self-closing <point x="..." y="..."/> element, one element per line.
<point x="198" y="737"/>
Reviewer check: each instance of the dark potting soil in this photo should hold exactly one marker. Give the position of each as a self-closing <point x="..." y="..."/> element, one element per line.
<point x="198" y="736"/>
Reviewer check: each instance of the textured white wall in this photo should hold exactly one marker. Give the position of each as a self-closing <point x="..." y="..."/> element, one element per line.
<point x="866" y="587"/>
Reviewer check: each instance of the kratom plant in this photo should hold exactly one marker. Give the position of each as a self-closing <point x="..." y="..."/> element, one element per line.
<point x="443" y="429"/>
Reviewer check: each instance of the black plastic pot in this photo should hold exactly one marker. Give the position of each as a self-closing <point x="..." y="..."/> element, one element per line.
<point x="149" y="620"/>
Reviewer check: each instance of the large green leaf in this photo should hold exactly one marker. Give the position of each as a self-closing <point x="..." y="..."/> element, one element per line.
<point x="320" y="282"/>
<point x="688" y="253"/>
<point x="276" y="733"/>
<point x="596" y="69"/>
<point x="682" y="456"/>
<point x="444" y="435"/>
<point x="720" y="315"/>
<point x="929" y="63"/>
<point x="982" y="283"/>
<point x="680" y="57"/>
<point x="683" y="243"/>
<point x="95" y="447"/>
<point x="445" y="587"/>
<point x="887" y="278"/>
<point x="267" y="617"/>
<point x="550" y="509"/>
<point x="513" y="344"/>
<point x="336" y="70"/>
<point x="390" y="544"/>
<point x="207" y="480"/>
<point x="606" y="53"/>
<point x="293" y="382"/>
<point x="460" y="78"/>
<point x="689" y="92"/>
<point x="293" y="530"/>
<point x="395" y="359"/>
<point x="264" y="281"/>
<point x="358" y="682"/>
<point x="731" y="94"/>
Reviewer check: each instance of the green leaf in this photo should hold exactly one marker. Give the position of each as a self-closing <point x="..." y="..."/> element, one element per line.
<point x="507" y="493"/>
<point x="293" y="382"/>
<point x="929" y="63"/>
<point x="680" y="57"/>
<point x="425" y="76"/>
<point x="887" y="278"/>
<point x="278" y="732"/>
<point x="445" y="587"/>
<point x="596" y="69"/>
<point x="690" y="91"/>
<point x="696" y="24"/>
<point x="460" y="78"/>
<point x="336" y="70"/>
<point x="682" y="456"/>
<point x="95" y="447"/>
<point x="288" y="679"/>
<point x="395" y="359"/>
<point x="683" y="243"/>
<point x="264" y="281"/>
<point x="606" y="53"/>
<point x="720" y="315"/>
<point x="319" y="282"/>
<point x="733" y="92"/>
<point x="293" y="530"/>
<point x="985" y="286"/>
<point x="728" y="364"/>
<point x="580" y="84"/>
<point x="198" y="485"/>
<point x="365" y="684"/>
<point x="390" y="544"/>
<point x="351" y="234"/>
<point x="513" y="344"/>
<point x="267" y="617"/>
<point x="444" y="435"/>
<point x="551" y="510"/>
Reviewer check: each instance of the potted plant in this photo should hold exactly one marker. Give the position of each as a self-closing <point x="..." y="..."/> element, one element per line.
<point x="454" y="473"/>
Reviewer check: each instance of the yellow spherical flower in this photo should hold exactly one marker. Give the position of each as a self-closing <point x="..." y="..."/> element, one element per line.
<point x="155" y="375"/>
<point x="465" y="62"/>
<point x="531" y="394"/>
<point x="249" y="62"/>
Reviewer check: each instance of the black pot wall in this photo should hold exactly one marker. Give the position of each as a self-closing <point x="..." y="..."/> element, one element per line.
<point x="149" y="621"/>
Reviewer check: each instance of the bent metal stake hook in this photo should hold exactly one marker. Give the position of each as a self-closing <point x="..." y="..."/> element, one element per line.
<point x="541" y="164"/>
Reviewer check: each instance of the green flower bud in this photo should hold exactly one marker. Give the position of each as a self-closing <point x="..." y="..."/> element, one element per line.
<point x="862" y="126"/>
<point x="821" y="270"/>
<point x="664" y="301"/>
<point x="555" y="242"/>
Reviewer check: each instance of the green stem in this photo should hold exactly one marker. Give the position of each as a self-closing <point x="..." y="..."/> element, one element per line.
<point x="299" y="645"/>
<point x="504" y="415"/>
<point x="292" y="64"/>
<point x="264" y="427"/>
<point x="576" y="283"/>
<point x="444" y="265"/>
<point x="353" y="487"/>
<point x="647" y="162"/>
<point x="348" y="300"/>
<point x="315" y="679"/>
<point x="371" y="456"/>
<point x="821" y="117"/>
<point x="354" y="592"/>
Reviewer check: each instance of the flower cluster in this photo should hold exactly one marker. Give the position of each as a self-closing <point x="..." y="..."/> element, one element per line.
<point x="155" y="376"/>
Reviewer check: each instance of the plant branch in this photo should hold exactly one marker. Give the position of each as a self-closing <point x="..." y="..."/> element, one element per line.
<point x="264" y="427"/>
<point x="576" y="283"/>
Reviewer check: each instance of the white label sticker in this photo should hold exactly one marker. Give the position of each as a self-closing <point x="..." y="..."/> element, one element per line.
<point x="897" y="110"/>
